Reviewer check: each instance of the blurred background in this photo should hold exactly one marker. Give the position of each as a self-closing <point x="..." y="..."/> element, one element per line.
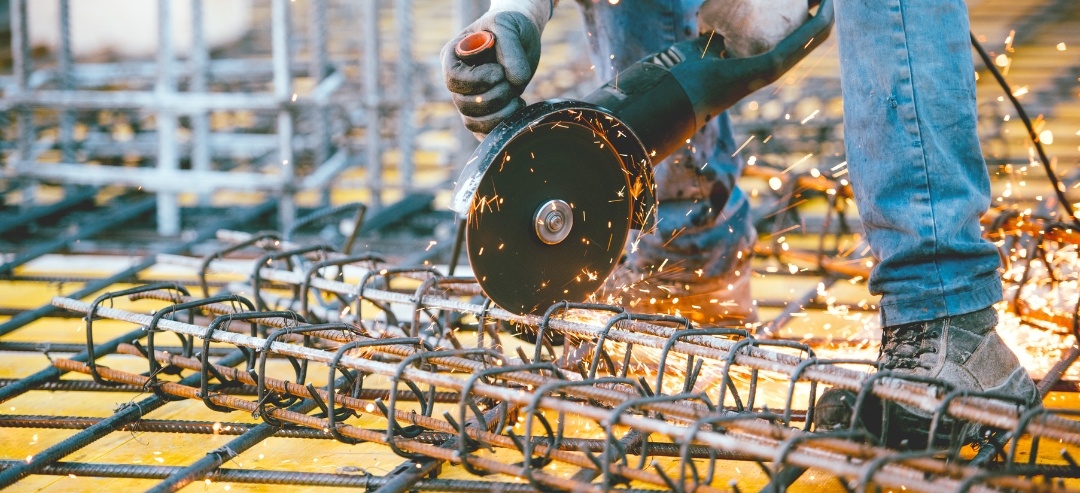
<point x="182" y="109"/>
<point x="130" y="128"/>
<point x="133" y="127"/>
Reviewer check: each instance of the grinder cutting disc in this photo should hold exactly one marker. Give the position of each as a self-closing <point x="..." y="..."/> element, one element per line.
<point x="550" y="215"/>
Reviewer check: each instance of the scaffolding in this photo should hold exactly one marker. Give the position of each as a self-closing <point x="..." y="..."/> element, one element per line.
<point x="312" y="115"/>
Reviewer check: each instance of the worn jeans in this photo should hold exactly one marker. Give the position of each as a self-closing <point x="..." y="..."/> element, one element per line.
<point x="697" y="243"/>
<point x="912" y="150"/>
<point x="913" y="153"/>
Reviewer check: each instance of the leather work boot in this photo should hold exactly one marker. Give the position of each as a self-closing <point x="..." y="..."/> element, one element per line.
<point x="964" y="351"/>
<point x="702" y="273"/>
<point x="834" y="408"/>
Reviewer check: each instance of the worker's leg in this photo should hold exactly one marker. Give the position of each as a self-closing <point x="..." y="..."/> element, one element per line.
<point x="696" y="263"/>
<point x="921" y="186"/>
<point x="913" y="152"/>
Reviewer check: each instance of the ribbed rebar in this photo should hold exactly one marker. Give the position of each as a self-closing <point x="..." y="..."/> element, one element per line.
<point x="889" y="475"/>
<point x="359" y="479"/>
<point x="988" y="412"/>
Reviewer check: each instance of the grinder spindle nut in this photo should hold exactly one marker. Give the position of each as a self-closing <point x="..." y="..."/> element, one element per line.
<point x="553" y="221"/>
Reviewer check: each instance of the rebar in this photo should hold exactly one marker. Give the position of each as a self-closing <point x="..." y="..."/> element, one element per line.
<point x="87" y="436"/>
<point x="238" y="217"/>
<point x="168" y="157"/>
<point x="655" y="386"/>
<point x="653" y="336"/>
<point x="357" y="479"/>
<point x="599" y="392"/>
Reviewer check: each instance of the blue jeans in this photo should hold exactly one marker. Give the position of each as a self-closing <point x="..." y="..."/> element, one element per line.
<point x="918" y="174"/>
<point x="699" y="235"/>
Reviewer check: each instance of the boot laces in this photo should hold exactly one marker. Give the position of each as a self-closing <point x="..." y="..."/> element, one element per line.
<point x="902" y="346"/>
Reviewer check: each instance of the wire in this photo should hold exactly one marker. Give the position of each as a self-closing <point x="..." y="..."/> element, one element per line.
<point x="1054" y="180"/>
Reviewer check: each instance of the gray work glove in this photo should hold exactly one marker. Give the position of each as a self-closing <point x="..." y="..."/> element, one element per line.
<point x="752" y="27"/>
<point x="487" y="94"/>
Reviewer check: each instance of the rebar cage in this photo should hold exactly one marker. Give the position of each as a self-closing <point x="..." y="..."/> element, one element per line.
<point x="355" y="361"/>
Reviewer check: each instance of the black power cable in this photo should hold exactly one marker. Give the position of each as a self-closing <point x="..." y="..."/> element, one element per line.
<point x="1058" y="188"/>
<point x="1054" y="180"/>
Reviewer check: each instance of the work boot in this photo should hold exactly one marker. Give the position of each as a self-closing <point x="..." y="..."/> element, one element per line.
<point x="699" y="271"/>
<point x="963" y="351"/>
<point x="835" y="407"/>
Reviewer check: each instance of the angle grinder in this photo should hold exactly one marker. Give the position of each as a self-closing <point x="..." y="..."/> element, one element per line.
<point x="550" y="195"/>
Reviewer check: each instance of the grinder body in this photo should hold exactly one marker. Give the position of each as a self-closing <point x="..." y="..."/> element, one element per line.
<point x="668" y="96"/>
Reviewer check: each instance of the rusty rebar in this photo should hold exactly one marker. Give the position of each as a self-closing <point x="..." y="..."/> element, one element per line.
<point x="735" y="439"/>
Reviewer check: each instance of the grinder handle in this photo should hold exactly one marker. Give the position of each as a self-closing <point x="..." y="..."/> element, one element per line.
<point x="477" y="48"/>
<point x="668" y="96"/>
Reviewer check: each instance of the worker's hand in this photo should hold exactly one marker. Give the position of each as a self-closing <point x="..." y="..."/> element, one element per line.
<point x="752" y="27"/>
<point x="488" y="93"/>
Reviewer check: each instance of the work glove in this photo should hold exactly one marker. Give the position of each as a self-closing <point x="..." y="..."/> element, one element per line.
<point x="488" y="93"/>
<point x="752" y="27"/>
